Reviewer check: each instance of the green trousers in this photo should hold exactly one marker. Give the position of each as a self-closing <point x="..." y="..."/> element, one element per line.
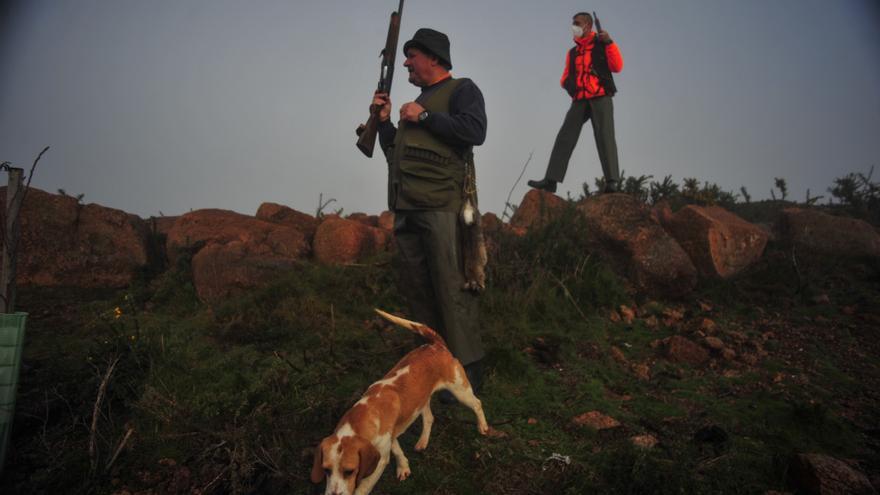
<point x="601" y="111"/>
<point x="429" y="270"/>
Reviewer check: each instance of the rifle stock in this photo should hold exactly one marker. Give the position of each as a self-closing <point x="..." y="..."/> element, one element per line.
<point x="367" y="132"/>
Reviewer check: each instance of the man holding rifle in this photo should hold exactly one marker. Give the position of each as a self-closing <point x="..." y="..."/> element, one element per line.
<point x="428" y="154"/>
<point x="587" y="78"/>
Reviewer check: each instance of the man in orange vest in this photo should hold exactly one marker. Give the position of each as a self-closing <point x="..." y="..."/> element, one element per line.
<point x="587" y="78"/>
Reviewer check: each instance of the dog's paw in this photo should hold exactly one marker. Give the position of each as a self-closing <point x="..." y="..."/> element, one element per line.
<point x="421" y="445"/>
<point x="484" y="429"/>
<point x="403" y="473"/>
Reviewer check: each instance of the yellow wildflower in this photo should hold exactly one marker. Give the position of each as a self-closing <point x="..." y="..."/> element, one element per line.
<point x="117" y="312"/>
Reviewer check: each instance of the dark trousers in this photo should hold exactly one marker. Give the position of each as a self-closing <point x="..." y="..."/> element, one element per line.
<point x="601" y="111"/>
<point x="429" y="271"/>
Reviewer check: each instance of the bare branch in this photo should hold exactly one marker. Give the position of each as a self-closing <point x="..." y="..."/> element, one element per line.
<point x="101" y="390"/>
<point x="507" y="202"/>
<point x="118" y="449"/>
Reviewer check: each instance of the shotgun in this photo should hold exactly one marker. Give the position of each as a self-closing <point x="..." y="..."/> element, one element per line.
<point x="367" y="132"/>
<point x="600" y="60"/>
<point x="598" y="24"/>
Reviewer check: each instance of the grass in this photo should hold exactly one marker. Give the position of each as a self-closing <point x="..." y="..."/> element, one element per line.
<point x="232" y="398"/>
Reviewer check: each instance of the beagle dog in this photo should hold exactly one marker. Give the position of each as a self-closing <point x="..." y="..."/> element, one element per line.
<point x="353" y="458"/>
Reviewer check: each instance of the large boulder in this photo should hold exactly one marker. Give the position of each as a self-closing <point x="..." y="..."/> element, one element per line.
<point x="386" y="220"/>
<point x="234" y="252"/>
<point x="536" y="209"/>
<point x="623" y="232"/>
<point x="719" y="243"/>
<point x="64" y="243"/>
<point x="340" y="241"/>
<point x="275" y="213"/>
<point x="823" y="475"/>
<point x="821" y="233"/>
<point x="369" y="220"/>
<point x="196" y="229"/>
<point x="222" y="270"/>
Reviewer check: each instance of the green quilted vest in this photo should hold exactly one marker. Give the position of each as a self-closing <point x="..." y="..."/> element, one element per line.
<point x="423" y="172"/>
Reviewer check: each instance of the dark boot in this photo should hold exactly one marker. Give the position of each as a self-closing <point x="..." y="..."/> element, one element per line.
<point x="545" y="184"/>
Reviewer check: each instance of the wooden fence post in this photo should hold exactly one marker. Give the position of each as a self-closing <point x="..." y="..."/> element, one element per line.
<point x="14" y="198"/>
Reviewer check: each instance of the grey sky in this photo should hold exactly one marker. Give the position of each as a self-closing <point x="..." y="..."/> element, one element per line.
<point x="172" y="105"/>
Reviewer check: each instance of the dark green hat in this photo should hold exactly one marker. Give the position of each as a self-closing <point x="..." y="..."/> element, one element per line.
<point x="433" y="42"/>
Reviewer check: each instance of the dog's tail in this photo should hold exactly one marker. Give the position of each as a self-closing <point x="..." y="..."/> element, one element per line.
<point x="425" y="331"/>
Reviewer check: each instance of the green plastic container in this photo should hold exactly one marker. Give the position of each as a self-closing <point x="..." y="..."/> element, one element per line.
<point x="11" y="344"/>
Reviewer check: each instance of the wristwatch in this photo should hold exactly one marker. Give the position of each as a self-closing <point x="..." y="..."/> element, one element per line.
<point x="423" y="116"/>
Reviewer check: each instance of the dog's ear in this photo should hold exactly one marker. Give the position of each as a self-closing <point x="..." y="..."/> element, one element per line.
<point x="318" y="465"/>
<point x="369" y="459"/>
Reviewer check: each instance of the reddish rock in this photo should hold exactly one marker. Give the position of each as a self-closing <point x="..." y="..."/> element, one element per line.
<point x="719" y="243"/>
<point x="682" y="350"/>
<point x="644" y="441"/>
<point x="705" y="325"/>
<point x="596" y="421"/>
<point x="202" y="227"/>
<point x="661" y="212"/>
<point x="386" y="221"/>
<point x="224" y="270"/>
<point x="820" y="233"/>
<point x="275" y="213"/>
<point x="234" y="252"/>
<point x="642" y="371"/>
<point x="66" y="244"/>
<point x="823" y="475"/>
<point x="491" y="223"/>
<point x="672" y="316"/>
<point x="638" y="248"/>
<point x="369" y="220"/>
<point x="536" y="209"/>
<point x="627" y="314"/>
<point x="713" y="343"/>
<point x="340" y="241"/>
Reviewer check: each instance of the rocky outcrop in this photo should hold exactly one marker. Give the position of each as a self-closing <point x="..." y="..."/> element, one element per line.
<point x="368" y="220"/>
<point x="221" y="270"/>
<point x="233" y="252"/>
<point x="536" y="209"/>
<point x="340" y="241"/>
<point x="623" y="232"/>
<point x="64" y="243"/>
<point x="284" y="215"/>
<point x="719" y="243"/>
<point x="820" y="233"/>
<point x="202" y="227"/>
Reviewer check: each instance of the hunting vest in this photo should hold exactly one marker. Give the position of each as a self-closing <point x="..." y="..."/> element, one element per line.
<point x="424" y="173"/>
<point x="576" y="81"/>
